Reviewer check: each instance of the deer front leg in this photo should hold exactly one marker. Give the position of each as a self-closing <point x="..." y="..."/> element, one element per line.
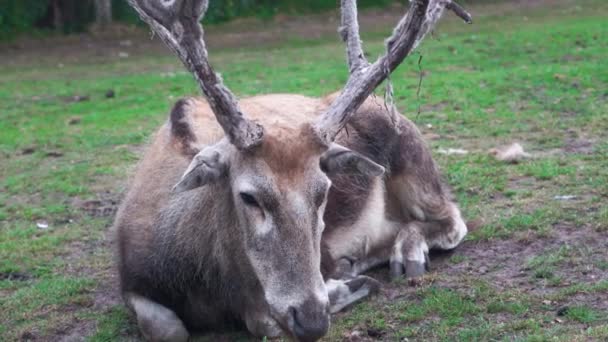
<point x="156" y="322"/>
<point x="344" y="292"/>
<point x="410" y="250"/>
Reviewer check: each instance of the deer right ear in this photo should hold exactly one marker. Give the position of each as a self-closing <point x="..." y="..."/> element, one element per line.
<point x="339" y="159"/>
<point x="208" y="166"/>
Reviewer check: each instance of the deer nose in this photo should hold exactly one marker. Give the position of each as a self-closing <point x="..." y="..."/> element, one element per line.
<point x="310" y="320"/>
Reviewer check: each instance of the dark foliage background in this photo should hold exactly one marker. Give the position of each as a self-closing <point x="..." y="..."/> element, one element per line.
<point x="19" y="16"/>
<point x="27" y="16"/>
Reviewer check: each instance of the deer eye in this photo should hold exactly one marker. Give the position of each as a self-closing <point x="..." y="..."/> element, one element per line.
<point x="249" y="199"/>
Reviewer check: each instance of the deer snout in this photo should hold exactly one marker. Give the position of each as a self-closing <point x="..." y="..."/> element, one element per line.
<point x="310" y="321"/>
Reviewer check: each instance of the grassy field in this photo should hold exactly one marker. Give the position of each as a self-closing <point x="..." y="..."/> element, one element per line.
<point x="535" y="267"/>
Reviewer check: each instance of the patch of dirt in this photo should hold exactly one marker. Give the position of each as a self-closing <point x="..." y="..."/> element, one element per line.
<point x="580" y="145"/>
<point x="523" y="182"/>
<point x="105" y="205"/>
<point x="570" y="58"/>
<point x="74" y="334"/>
<point x="504" y="263"/>
<point x="29" y="336"/>
<point x="76" y="98"/>
<point x="435" y="107"/>
<point x="15" y="276"/>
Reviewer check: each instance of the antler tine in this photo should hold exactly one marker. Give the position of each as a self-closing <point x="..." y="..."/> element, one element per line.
<point x="349" y="30"/>
<point x="461" y="12"/>
<point x="409" y="32"/>
<point x="177" y="23"/>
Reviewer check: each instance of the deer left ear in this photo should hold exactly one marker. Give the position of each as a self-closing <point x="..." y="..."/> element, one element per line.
<point x="208" y="166"/>
<point x="339" y="159"/>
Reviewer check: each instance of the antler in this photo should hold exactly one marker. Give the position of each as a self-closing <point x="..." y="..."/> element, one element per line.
<point x="177" y="23"/>
<point x="365" y="77"/>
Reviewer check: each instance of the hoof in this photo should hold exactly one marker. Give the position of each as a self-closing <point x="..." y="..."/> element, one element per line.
<point x="396" y="270"/>
<point x="365" y="283"/>
<point x="345" y="292"/>
<point x="413" y="270"/>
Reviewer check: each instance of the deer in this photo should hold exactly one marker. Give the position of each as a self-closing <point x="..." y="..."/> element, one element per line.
<point x="264" y="214"/>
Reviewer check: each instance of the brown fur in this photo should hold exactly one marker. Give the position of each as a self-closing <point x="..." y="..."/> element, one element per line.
<point x="288" y="154"/>
<point x="397" y="144"/>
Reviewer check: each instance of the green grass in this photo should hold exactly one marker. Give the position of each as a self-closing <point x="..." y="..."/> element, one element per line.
<point x="536" y="76"/>
<point x="38" y="307"/>
<point x="582" y="314"/>
<point x="111" y="325"/>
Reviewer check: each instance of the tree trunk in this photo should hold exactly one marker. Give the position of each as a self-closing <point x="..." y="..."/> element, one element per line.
<point x="57" y="16"/>
<point x="103" y="12"/>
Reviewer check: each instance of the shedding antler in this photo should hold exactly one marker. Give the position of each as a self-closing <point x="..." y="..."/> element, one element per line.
<point x="177" y="23"/>
<point x="365" y="77"/>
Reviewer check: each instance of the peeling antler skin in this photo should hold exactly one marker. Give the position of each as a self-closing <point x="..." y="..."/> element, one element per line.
<point x="419" y="20"/>
<point x="177" y="23"/>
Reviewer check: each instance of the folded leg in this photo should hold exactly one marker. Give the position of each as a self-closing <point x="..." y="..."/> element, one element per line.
<point x="410" y="250"/>
<point x="344" y="292"/>
<point x="156" y="322"/>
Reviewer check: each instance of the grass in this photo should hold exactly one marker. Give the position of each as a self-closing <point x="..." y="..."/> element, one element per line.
<point x="534" y="76"/>
<point x="111" y="325"/>
<point x="582" y="314"/>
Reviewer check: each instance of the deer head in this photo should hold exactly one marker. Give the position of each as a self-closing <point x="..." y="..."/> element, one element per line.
<point x="279" y="181"/>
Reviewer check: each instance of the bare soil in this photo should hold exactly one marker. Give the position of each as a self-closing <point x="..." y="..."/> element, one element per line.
<point x="105" y="205"/>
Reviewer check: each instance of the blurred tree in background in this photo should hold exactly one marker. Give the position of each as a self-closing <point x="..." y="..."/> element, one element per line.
<point x="67" y="16"/>
<point x="103" y="12"/>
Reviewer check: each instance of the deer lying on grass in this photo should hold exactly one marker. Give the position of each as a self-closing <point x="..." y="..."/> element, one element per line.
<point x="269" y="220"/>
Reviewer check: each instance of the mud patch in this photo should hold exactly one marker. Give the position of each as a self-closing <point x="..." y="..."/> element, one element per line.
<point x="523" y="183"/>
<point x="573" y="253"/>
<point x="74" y="334"/>
<point x="580" y="146"/>
<point x="105" y="205"/>
<point x="15" y="276"/>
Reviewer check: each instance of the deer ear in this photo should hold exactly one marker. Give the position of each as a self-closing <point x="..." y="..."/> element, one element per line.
<point x="208" y="166"/>
<point x="339" y="159"/>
